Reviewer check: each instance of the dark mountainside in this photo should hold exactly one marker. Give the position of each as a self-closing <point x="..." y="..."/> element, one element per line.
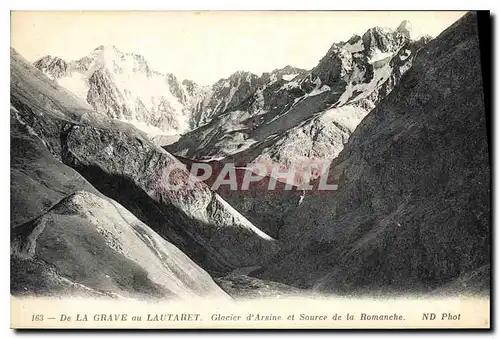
<point x="60" y="221"/>
<point x="412" y="212"/>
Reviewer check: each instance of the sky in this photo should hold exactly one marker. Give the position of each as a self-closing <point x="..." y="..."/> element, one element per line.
<point x="207" y="46"/>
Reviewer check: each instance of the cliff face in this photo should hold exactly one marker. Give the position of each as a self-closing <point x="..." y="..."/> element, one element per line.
<point x="412" y="212"/>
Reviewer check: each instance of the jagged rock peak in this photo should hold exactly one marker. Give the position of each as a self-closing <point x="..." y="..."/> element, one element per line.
<point x="385" y="40"/>
<point x="99" y="48"/>
<point x="425" y="38"/>
<point x="355" y="38"/>
<point x="241" y="74"/>
<point x="405" y="28"/>
<point x="106" y="47"/>
<point x="287" y="70"/>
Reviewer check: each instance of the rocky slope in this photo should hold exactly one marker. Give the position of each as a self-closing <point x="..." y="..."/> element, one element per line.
<point x="412" y="212"/>
<point x="134" y="172"/>
<point x="120" y="162"/>
<point x="123" y="86"/>
<point x="227" y="94"/>
<point x="310" y="114"/>
<point x="265" y="208"/>
<point x="89" y="245"/>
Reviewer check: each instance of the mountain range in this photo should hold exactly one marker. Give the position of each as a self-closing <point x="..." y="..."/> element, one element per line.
<point x="400" y="121"/>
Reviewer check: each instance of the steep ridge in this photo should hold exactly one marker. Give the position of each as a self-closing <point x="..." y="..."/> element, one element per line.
<point x="412" y="210"/>
<point x="68" y="239"/>
<point x="227" y="94"/>
<point x="125" y="165"/>
<point x="197" y="220"/>
<point x="313" y="113"/>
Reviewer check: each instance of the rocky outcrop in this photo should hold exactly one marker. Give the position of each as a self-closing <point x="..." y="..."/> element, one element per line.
<point x="228" y="94"/>
<point x="224" y="94"/>
<point x="405" y="28"/>
<point x="241" y="286"/>
<point x="412" y="212"/>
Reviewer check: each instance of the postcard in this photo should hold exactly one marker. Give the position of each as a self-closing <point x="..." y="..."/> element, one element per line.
<point x="250" y="169"/>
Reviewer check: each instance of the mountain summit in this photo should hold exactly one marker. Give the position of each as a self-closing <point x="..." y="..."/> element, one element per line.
<point x="123" y="86"/>
<point x="412" y="211"/>
<point x="305" y="114"/>
<point x="405" y="28"/>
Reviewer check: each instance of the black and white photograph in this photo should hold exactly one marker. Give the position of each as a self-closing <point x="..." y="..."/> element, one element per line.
<point x="250" y="169"/>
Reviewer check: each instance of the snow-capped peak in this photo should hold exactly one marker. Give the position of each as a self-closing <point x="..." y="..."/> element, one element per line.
<point x="123" y="86"/>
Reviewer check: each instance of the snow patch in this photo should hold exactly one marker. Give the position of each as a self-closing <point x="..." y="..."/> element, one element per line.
<point x="289" y="85"/>
<point x="378" y="56"/>
<point x="348" y="116"/>
<point x="289" y="77"/>
<point x="380" y="75"/>
<point x="147" y="94"/>
<point x="318" y="91"/>
<point x="242" y="219"/>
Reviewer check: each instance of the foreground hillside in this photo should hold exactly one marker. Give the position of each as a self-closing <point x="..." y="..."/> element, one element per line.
<point x="64" y="157"/>
<point x="69" y="239"/>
